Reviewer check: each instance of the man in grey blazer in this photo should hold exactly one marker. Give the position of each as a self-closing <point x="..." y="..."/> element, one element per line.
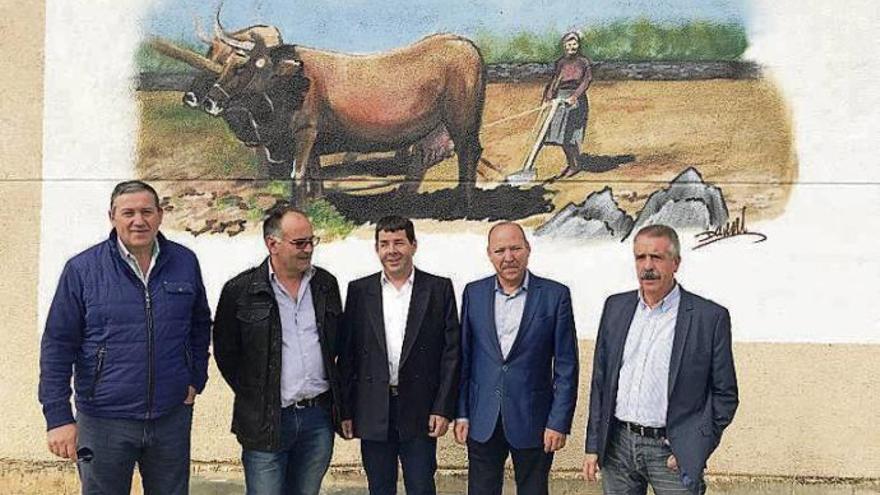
<point x="664" y="384"/>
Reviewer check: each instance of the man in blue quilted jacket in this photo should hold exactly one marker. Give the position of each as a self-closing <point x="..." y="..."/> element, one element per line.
<point x="131" y="323"/>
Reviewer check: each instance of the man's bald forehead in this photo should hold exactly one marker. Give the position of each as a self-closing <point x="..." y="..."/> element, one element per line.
<point x="515" y="225"/>
<point x="295" y="214"/>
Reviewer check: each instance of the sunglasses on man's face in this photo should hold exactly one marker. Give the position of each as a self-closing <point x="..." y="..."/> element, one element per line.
<point x="302" y="243"/>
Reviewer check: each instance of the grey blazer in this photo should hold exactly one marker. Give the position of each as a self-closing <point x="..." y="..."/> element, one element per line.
<point x="703" y="394"/>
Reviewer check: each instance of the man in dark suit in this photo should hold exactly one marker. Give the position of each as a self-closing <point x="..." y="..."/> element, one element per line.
<point x="401" y="364"/>
<point x="519" y="374"/>
<point x="276" y="339"/>
<point x="664" y="384"/>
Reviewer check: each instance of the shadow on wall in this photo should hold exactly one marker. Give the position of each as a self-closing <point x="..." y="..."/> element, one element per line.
<point x="503" y="202"/>
<point x="603" y="163"/>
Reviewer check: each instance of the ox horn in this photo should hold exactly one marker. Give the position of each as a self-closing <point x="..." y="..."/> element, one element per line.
<point x="223" y="36"/>
<point x="200" y="33"/>
<point x="189" y="57"/>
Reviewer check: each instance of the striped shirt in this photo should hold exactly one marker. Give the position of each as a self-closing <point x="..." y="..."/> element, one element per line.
<point x="642" y="389"/>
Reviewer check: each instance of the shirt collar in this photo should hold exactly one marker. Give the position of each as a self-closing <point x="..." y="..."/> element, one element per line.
<point x="670" y="301"/>
<point x="306" y="276"/>
<point x="127" y="254"/>
<point x="409" y="280"/>
<point x="522" y="288"/>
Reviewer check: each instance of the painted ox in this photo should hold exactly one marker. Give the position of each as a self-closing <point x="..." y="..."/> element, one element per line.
<point x="332" y="102"/>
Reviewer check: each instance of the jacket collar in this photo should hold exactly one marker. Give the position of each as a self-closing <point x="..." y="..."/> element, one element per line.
<point x="261" y="282"/>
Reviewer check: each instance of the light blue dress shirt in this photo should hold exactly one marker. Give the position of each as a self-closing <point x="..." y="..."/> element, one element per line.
<point x="302" y="366"/>
<point x="508" y="313"/>
<point x="643" y="385"/>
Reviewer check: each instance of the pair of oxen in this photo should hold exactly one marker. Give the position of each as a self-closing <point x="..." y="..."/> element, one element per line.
<point x="299" y="103"/>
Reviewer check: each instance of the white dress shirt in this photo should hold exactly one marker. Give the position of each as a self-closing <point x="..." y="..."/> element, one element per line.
<point x="643" y="385"/>
<point x="395" y="309"/>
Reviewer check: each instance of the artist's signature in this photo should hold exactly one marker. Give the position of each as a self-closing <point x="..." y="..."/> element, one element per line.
<point x="735" y="228"/>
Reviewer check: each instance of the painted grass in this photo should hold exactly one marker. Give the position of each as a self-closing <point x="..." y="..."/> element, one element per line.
<point x="148" y="60"/>
<point x="639" y="40"/>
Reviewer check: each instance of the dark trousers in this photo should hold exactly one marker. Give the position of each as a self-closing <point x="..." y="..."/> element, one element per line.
<point x="531" y="467"/>
<point x="418" y="458"/>
<point x="632" y="462"/>
<point x="160" y="447"/>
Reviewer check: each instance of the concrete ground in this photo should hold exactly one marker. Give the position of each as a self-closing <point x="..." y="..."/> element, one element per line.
<point x="455" y="485"/>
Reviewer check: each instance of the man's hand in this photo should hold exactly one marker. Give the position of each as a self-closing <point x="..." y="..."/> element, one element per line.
<point x="672" y="463"/>
<point x="461" y="431"/>
<point x="437" y="426"/>
<point x="553" y="440"/>
<point x="190" y="396"/>
<point x="591" y="467"/>
<point x="347" y="429"/>
<point x="62" y="441"/>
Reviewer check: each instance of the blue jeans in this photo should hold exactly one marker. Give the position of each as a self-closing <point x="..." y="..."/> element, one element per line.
<point x="110" y="448"/>
<point x="299" y="466"/>
<point x="633" y="461"/>
<point x="418" y="458"/>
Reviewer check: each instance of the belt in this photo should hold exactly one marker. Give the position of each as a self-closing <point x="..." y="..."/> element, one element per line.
<point x="314" y="401"/>
<point x="644" y="431"/>
<point x="394" y="390"/>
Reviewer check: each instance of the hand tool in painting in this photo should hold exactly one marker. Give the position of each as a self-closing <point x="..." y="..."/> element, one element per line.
<point x="527" y="173"/>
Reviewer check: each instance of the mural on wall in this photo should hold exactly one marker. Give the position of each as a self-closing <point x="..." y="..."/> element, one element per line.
<point x="459" y="117"/>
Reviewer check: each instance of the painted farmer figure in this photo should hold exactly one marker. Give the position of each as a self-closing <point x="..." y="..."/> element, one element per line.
<point x="571" y="79"/>
<point x="401" y="365"/>
<point x="664" y="385"/>
<point x="276" y="339"/>
<point x="131" y="321"/>
<point x="519" y="373"/>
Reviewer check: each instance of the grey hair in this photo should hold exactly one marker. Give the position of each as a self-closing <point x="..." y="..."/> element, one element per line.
<point x="130" y="187"/>
<point x="660" y="230"/>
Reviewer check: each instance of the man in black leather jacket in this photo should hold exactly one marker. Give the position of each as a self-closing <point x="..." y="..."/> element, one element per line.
<point x="276" y="339"/>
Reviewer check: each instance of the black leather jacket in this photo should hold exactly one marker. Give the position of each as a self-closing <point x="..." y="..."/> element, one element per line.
<point x="247" y="347"/>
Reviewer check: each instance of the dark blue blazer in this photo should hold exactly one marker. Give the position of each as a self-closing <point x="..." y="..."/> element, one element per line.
<point x="703" y="394"/>
<point x="536" y="386"/>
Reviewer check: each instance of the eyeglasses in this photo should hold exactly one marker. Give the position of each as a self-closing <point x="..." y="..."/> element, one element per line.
<point x="302" y="243"/>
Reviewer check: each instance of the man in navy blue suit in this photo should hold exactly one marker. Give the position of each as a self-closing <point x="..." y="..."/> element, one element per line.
<point x="519" y="374"/>
<point x="664" y="385"/>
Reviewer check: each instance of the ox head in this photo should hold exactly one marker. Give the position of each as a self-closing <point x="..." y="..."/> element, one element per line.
<point x="260" y="70"/>
<point x="221" y="48"/>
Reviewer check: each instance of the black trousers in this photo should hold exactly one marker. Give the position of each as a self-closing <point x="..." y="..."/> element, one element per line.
<point x="418" y="460"/>
<point x="531" y="467"/>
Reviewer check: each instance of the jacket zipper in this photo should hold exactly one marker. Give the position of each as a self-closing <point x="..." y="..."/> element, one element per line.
<point x="150" y="370"/>
<point x="99" y="368"/>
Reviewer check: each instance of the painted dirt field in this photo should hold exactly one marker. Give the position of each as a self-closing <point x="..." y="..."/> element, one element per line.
<point x="640" y="136"/>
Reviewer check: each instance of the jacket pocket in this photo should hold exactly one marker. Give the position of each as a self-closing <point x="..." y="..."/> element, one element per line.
<point x="248" y="411"/>
<point x="183" y="288"/>
<point x="253" y="314"/>
<point x="99" y="370"/>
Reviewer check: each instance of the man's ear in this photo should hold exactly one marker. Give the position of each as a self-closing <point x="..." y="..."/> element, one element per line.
<point x="287" y="67"/>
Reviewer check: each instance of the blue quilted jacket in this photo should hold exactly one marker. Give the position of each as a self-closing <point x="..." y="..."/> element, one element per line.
<point x="133" y="351"/>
